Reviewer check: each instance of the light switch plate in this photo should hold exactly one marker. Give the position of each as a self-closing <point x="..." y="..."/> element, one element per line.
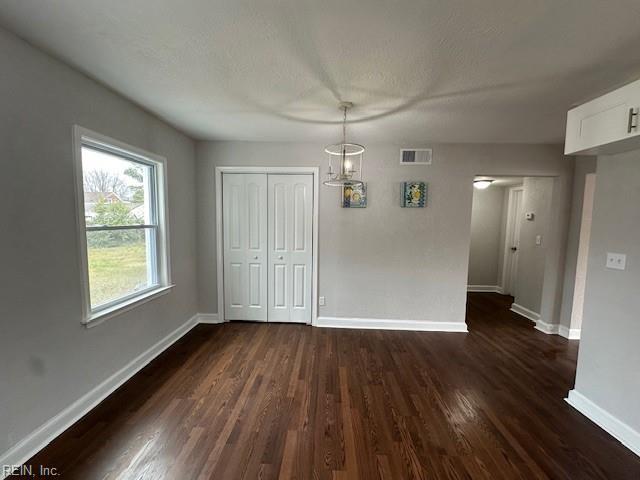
<point x="616" y="261"/>
<point x="538" y="239"/>
<point x="321" y="301"/>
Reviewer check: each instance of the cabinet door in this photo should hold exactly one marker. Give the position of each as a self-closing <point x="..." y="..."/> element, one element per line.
<point x="245" y="246"/>
<point x="605" y="124"/>
<point x="290" y="208"/>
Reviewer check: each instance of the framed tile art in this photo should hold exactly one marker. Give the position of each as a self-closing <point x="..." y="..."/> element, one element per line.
<point x="413" y="194"/>
<point x="354" y="196"/>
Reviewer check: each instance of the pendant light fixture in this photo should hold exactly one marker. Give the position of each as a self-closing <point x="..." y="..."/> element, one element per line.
<point x="348" y="157"/>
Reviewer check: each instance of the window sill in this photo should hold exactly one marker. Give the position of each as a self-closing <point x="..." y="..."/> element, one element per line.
<point x="99" y="317"/>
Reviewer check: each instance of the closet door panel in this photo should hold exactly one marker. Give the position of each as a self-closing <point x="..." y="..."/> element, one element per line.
<point x="302" y="248"/>
<point x="278" y="225"/>
<point x="290" y="248"/>
<point x="245" y="246"/>
<point x="257" y="284"/>
<point x="279" y="287"/>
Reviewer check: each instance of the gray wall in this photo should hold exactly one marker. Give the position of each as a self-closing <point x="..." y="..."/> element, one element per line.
<point x="532" y="258"/>
<point x="47" y="358"/>
<point x="584" y="165"/>
<point x="608" y="371"/>
<point x="486" y="235"/>
<point x="385" y="261"/>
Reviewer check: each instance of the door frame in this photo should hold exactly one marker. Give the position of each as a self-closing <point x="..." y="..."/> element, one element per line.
<point x="507" y="283"/>
<point x="315" y="171"/>
<point x="582" y="258"/>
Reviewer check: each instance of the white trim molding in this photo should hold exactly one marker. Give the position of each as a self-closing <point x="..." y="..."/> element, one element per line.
<point x="541" y="325"/>
<point x="569" y="333"/>
<point x="525" y="312"/>
<point x="44" y="434"/>
<point x="159" y="201"/>
<point x="548" y="328"/>
<point x="615" y="427"/>
<point x="210" y="318"/>
<point x="485" y="288"/>
<point x="390" y="324"/>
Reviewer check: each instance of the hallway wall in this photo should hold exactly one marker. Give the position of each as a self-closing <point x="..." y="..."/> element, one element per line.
<point x="538" y="192"/>
<point x="487" y="233"/>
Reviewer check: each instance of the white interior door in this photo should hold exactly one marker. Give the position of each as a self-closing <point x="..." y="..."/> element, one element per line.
<point x="290" y="209"/>
<point x="512" y="244"/>
<point x="245" y="246"/>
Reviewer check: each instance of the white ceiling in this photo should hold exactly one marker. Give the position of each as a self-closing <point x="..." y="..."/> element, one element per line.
<point x="419" y="71"/>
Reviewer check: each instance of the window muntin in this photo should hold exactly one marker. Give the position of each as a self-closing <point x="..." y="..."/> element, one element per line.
<point x="122" y="225"/>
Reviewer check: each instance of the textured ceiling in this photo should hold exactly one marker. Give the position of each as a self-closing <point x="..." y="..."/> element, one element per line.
<point x="419" y="71"/>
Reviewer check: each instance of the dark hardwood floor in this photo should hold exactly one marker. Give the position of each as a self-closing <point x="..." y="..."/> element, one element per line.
<point x="267" y="401"/>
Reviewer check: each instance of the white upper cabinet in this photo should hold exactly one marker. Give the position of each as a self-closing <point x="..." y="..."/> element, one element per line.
<point x="607" y="125"/>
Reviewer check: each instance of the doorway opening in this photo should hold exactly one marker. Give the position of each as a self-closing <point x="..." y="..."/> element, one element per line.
<point x="511" y="226"/>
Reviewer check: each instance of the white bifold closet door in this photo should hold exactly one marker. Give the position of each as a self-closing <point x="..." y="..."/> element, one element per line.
<point x="290" y="247"/>
<point x="244" y="202"/>
<point x="268" y="249"/>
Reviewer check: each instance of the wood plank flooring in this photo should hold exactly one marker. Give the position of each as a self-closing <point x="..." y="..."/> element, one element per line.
<point x="245" y="400"/>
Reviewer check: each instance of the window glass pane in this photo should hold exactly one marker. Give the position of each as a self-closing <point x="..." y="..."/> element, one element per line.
<point x="117" y="190"/>
<point x="121" y="263"/>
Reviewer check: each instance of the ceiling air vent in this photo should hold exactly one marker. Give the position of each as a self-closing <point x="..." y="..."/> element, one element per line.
<point x="415" y="156"/>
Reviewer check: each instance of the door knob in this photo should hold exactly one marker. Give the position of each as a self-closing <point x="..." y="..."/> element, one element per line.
<point x="279" y="257"/>
<point x="256" y="257"/>
<point x="513" y="249"/>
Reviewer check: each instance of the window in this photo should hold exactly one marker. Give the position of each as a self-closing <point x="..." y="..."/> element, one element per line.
<point x="123" y="236"/>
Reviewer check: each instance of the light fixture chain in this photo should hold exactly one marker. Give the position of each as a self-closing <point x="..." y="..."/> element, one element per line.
<point x="344" y="126"/>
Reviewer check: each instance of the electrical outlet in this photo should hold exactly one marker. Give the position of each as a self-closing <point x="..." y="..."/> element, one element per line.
<point x="616" y="261"/>
<point x="321" y="301"/>
<point x="538" y="239"/>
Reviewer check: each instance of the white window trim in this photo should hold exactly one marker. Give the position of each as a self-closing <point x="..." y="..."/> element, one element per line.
<point x="83" y="135"/>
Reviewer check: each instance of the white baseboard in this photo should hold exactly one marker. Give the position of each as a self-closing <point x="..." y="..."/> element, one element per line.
<point x="43" y="435"/>
<point x="541" y="325"/>
<point x="208" y="318"/>
<point x="570" y="333"/>
<point x="525" y="312"/>
<point x="619" y="430"/>
<point x="485" y="288"/>
<point x="548" y="328"/>
<point x="386" y="324"/>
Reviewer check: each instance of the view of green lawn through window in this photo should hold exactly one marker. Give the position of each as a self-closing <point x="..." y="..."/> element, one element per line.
<point x="120" y="225"/>
<point x="116" y="271"/>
